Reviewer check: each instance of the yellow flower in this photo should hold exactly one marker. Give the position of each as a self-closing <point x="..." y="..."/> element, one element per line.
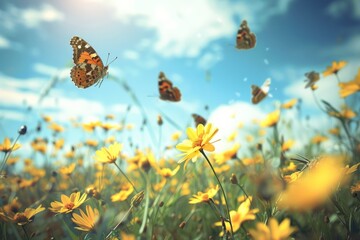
<point x="204" y="197"/>
<point x="243" y="214"/>
<point x="59" y="143"/>
<point x="167" y="172"/>
<point x="287" y="145"/>
<point x="289" y="104"/>
<point x="176" y="135"/>
<point x="12" y="160"/>
<point x="11" y="208"/>
<point x="347" y="113"/>
<point x="56" y="127"/>
<point x="6" y="146"/>
<point x="86" y="221"/>
<point x="271" y="119"/>
<point x="352" y="169"/>
<point x="223" y="168"/>
<point x="318" y="139"/>
<point x="109" y="126"/>
<point x="124" y="236"/>
<point x="252" y="161"/>
<point x="351" y="87"/>
<point x="355" y="188"/>
<point x="334" y="68"/>
<point x="91" y="143"/>
<point x="39" y="145"/>
<point x="68" y="204"/>
<point x="274" y="230"/>
<point x="90" y="127"/>
<point x="227" y="154"/>
<point x="68" y="170"/>
<point x="290" y="168"/>
<point x="314" y="186"/>
<point x="334" y="131"/>
<point x="22" y="218"/>
<point x="199" y="139"/>
<point x="110" y="154"/>
<point x="46" y="118"/>
<point x="125" y="192"/>
<point x="232" y="136"/>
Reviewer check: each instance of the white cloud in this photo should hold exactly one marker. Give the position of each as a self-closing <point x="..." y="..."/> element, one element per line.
<point x="131" y="55"/>
<point x="228" y="117"/>
<point x="12" y="115"/>
<point x="210" y="58"/>
<point x="328" y="91"/>
<point x="29" y="17"/>
<point x="4" y="43"/>
<point x="32" y="17"/>
<point x="341" y="7"/>
<point x="45" y="69"/>
<point x="328" y="88"/>
<point x="12" y="83"/>
<point x="349" y="48"/>
<point x="14" y="93"/>
<point x="186" y="28"/>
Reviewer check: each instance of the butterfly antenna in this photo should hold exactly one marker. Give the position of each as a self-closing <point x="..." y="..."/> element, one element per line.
<point x="107" y="59"/>
<point x="112" y="60"/>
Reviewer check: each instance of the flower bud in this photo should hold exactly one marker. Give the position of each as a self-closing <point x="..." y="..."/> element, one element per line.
<point x="233" y="179"/>
<point x="22" y="130"/>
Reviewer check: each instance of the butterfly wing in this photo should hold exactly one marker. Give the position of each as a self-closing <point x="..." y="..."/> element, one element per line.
<point x="311" y="78"/>
<point x="198" y="119"/>
<point x="89" y="68"/>
<point x="245" y="39"/>
<point x="259" y="93"/>
<point x="266" y="86"/>
<point x="166" y="89"/>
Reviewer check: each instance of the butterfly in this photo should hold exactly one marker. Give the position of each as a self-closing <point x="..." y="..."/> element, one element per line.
<point x="198" y="119"/>
<point x="89" y="68"/>
<point x="245" y="39"/>
<point x="259" y="93"/>
<point x="166" y="89"/>
<point x="311" y="78"/>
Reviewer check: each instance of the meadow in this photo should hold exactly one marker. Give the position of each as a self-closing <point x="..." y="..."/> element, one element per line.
<point x="107" y="187"/>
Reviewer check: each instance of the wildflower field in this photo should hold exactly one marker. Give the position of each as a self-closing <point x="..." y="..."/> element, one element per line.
<point x="292" y="173"/>
<point x="97" y="190"/>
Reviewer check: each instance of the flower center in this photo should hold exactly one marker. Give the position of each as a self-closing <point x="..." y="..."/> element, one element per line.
<point x="69" y="205"/>
<point x="205" y="197"/>
<point x="20" y="218"/>
<point x="197" y="143"/>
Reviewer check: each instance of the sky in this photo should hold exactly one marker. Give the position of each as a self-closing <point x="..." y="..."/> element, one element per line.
<point x="192" y="42"/>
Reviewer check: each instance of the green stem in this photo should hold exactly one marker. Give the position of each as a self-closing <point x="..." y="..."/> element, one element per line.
<point x="27" y="236"/>
<point x="222" y="189"/>
<point x="242" y="189"/>
<point x="337" y="78"/>
<point x="343" y="123"/>
<point x="341" y="210"/>
<point x="117" y="225"/>
<point x="146" y="210"/>
<point x="7" y="155"/>
<point x="126" y="177"/>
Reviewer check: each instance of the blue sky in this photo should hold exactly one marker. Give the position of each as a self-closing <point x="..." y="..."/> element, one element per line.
<point x="188" y="40"/>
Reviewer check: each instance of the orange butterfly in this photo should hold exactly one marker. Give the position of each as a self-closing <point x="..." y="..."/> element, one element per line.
<point x="259" y="93"/>
<point x="166" y="89"/>
<point x="89" y="68"/>
<point x="245" y="39"/>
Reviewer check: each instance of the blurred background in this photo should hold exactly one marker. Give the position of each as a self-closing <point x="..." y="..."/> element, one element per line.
<point x="193" y="42"/>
